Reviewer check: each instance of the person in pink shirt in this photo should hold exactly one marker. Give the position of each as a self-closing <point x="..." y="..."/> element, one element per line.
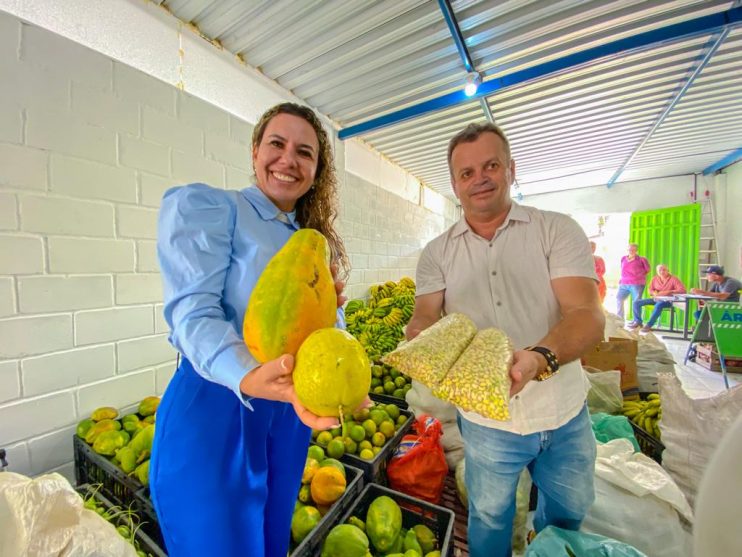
<point x="600" y="271"/>
<point x="634" y="271"/>
<point x="663" y="284"/>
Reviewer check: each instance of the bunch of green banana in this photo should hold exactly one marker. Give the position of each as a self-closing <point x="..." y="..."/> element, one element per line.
<point x="645" y="413"/>
<point x="379" y="323"/>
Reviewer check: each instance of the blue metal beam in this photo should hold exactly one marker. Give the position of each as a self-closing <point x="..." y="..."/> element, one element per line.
<point x="699" y="26"/>
<point x="710" y="49"/>
<point x="458" y="38"/>
<point x="731" y="158"/>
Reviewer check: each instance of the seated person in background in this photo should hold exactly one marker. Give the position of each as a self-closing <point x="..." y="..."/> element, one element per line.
<point x="663" y="284"/>
<point x="723" y="288"/>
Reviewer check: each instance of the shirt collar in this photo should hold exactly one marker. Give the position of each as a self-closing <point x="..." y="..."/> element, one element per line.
<point x="266" y="209"/>
<point x="516" y="213"/>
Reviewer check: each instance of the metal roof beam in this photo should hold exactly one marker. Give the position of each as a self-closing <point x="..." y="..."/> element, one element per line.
<point x="710" y="49"/>
<point x="731" y="158"/>
<point x="458" y="38"/>
<point x="693" y="27"/>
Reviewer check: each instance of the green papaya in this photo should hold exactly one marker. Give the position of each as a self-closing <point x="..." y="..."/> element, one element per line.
<point x="345" y="540"/>
<point x="426" y="537"/>
<point x="410" y="542"/>
<point x="84" y="426"/>
<point x="305" y="495"/>
<point x="142" y="441"/>
<point x="104" y="413"/>
<point x="357" y="522"/>
<point x="149" y="419"/>
<point x="433" y="554"/>
<point x="383" y="522"/>
<point x="108" y="442"/>
<point x="333" y="462"/>
<point x="398" y="545"/>
<point x="100" y="427"/>
<point x="142" y="472"/>
<point x="132" y="426"/>
<point x="127" y="459"/>
<point x="149" y="405"/>
<point x="412" y="553"/>
<point x="125" y="436"/>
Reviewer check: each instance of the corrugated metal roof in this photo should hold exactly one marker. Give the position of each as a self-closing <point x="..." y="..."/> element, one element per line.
<point x="358" y="60"/>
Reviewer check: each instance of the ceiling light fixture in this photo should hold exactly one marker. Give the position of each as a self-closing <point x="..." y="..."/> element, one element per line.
<point x="473" y="81"/>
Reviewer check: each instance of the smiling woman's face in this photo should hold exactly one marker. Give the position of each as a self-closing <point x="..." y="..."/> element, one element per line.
<point x="285" y="161"/>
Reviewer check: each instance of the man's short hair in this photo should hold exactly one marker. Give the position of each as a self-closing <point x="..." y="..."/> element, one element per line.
<point x="471" y="133"/>
<point x="715" y="270"/>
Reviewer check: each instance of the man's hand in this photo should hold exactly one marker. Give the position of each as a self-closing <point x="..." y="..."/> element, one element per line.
<point x="273" y="381"/>
<point x="526" y="365"/>
<point x="339" y="285"/>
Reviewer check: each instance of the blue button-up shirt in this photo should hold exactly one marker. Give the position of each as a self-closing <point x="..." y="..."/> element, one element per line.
<point x="212" y="246"/>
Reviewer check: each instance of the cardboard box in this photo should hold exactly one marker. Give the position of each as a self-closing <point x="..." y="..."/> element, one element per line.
<point x="620" y="354"/>
<point x="708" y="357"/>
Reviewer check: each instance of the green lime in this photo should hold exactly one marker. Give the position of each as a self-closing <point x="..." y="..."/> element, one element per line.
<point x="365" y="444"/>
<point x="377" y="371"/>
<point x="400" y="382"/>
<point x="378" y="439"/>
<point x="394" y="373"/>
<point x="357" y="433"/>
<point x="324" y="438"/>
<point x="398" y="393"/>
<point x="361" y="415"/>
<point x="335" y="431"/>
<point x="375" y="450"/>
<point x="336" y="448"/>
<point x="378" y="415"/>
<point x="316" y="452"/>
<point x="370" y="427"/>
<point x="367" y="454"/>
<point x="375" y="382"/>
<point x="387" y="428"/>
<point x="350" y="446"/>
<point x="389" y="387"/>
<point x="378" y="390"/>
<point x="401" y="420"/>
<point x="392" y="410"/>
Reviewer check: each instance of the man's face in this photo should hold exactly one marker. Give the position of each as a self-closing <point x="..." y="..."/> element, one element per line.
<point x="713" y="277"/>
<point x="662" y="271"/>
<point x="632" y="251"/>
<point x="481" y="174"/>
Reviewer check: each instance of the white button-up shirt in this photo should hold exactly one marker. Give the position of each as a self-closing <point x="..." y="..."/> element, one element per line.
<point x="506" y="283"/>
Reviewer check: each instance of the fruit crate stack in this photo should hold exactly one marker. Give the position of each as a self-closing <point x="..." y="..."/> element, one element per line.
<point x="373" y="467"/>
<point x="430" y="525"/>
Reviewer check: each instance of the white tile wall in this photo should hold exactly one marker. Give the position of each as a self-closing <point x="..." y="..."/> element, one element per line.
<point x="87" y="148"/>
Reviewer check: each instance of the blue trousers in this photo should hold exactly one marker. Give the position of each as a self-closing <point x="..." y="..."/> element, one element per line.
<point x="224" y="479"/>
<point x="656" y="312"/>
<point x="561" y="463"/>
<point x="624" y="290"/>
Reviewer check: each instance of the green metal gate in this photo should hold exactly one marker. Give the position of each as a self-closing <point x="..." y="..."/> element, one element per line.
<point x="669" y="236"/>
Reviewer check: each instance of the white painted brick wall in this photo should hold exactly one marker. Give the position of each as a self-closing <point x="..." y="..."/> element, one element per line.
<point x="200" y="115"/>
<point x="117" y="392"/>
<point x="240" y="131"/>
<point x="25" y="336"/>
<point x="104" y="325"/>
<point x="152" y="188"/>
<point x="52" y="215"/>
<point x="161" y="325"/>
<point x="61" y="370"/>
<point x="138" y="288"/>
<point x="138" y="87"/>
<point x="51" y="450"/>
<point x="7" y="297"/>
<point x="91" y="180"/>
<point x="136" y="222"/>
<point x="238" y="179"/>
<point x="23" y="167"/>
<point x="230" y="152"/>
<point x="21" y="255"/>
<point x="147" y="257"/>
<point x="102" y="108"/>
<point x="143" y="154"/>
<point x="144" y="352"/>
<point x="31" y="417"/>
<point x="190" y="168"/>
<point x="19" y="461"/>
<point x="8" y="212"/>
<point x="47" y="294"/>
<point x="166" y="130"/>
<point x="79" y="255"/>
<point x="11" y="120"/>
<point x="163" y="374"/>
<point x="10" y="384"/>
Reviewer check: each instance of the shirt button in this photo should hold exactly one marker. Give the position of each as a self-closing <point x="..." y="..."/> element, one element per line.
<point x="490" y="244"/>
<point x="494" y="273"/>
<point x="499" y="303"/>
<point x="517" y="397"/>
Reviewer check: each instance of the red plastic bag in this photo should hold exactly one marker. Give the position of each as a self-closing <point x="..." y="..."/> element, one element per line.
<point x="418" y="467"/>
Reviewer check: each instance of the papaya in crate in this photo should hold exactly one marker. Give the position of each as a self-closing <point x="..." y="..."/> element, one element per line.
<point x="293" y="297"/>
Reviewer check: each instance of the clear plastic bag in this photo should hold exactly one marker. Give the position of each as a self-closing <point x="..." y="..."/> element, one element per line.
<point x="605" y="391"/>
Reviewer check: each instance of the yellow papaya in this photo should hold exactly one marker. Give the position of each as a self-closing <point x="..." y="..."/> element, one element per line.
<point x="383" y="522"/>
<point x="293" y="297"/>
<point x="303" y="521"/>
<point x="127" y="459"/>
<point x="108" y="442"/>
<point x="100" y="427"/>
<point x="104" y="413"/>
<point x="84" y="426"/>
<point x="149" y="405"/>
<point x="142" y="472"/>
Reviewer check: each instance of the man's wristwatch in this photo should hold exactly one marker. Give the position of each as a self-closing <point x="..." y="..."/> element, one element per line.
<point x="552" y="364"/>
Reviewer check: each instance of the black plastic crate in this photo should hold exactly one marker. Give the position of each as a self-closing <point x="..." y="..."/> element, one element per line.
<point x="313" y="542"/>
<point x="649" y="444"/>
<point x="146" y="543"/>
<point x="414" y="511"/>
<point x="389" y="399"/>
<point x="92" y="468"/>
<point x="375" y="470"/>
<point x="146" y="511"/>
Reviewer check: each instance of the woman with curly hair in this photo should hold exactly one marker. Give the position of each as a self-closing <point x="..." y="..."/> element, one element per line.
<point x="231" y="436"/>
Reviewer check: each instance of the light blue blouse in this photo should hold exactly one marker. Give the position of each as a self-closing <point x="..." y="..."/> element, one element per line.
<point x="212" y="246"/>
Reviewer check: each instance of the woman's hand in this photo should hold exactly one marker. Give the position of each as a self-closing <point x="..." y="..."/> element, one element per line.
<point x="273" y="381"/>
<point x="339" y="285"/>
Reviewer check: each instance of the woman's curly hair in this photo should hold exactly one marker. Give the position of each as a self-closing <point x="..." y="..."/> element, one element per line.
<point x="318" y="207"/>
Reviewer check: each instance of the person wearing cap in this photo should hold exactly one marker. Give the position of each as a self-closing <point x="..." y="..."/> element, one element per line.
<point x="722" y="288"/>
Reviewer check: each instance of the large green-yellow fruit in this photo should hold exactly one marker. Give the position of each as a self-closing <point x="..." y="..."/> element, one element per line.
<point x="294" y="296"/>
<point x="331" y="371"/>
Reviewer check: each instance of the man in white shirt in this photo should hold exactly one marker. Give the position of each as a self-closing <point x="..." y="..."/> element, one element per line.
<point x="530" y="273"/>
